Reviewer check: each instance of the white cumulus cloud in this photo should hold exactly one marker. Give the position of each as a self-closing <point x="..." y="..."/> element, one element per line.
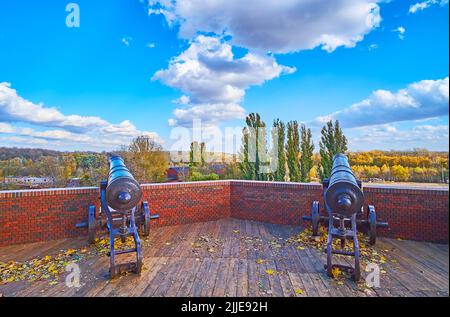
<point x="15" y="108"/>
<point x="90" y="132"/>
<point x="214" y="80"/>
<point x="420" y="6"/>
<point x="401" y="32"/>
<point x="6" y="128"/>
<point x="279" y="26"/>
<point x="420" y="100"/>
<point x="388" y="136"/>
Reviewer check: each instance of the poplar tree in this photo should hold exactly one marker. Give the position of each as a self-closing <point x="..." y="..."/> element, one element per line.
<point x="253" y="152"/>
<point x="306" y="158"/>
<point x="293" y="151"/>
<point x="194" y="154"/>
<point x="202" y="154"/>
<point x="278" y="150"/>
<point x="332" y="141"/>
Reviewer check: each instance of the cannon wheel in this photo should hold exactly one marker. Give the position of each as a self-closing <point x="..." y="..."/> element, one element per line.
<point x="145" y="218"/>
<point x="372" y="224"/>
<point x="315" y="218"/>
<point x="91" y="224"/>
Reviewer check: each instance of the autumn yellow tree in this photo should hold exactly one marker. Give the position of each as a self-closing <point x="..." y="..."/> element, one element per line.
<point x="146" y="160"/>
<point x="400" y="173"/>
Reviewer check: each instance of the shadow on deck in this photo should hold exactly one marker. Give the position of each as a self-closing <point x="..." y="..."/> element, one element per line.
<point x="232" y="257"/>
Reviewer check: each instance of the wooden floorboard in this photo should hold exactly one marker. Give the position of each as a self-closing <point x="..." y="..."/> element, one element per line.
<point x="232" y="257"/>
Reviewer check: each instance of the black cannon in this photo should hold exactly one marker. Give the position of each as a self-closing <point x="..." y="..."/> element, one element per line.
<point x="122" y="213"/>
<point x="344" y="200"/>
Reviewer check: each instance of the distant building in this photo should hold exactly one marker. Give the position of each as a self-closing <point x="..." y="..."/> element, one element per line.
<point x="74" y="182"/>
<point x="219" y="169"/>
<point x="28" y="181"/>
<point x="177" y="173"/>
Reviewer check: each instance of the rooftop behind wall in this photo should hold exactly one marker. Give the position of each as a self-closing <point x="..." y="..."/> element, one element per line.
<point x="47" y="214"/>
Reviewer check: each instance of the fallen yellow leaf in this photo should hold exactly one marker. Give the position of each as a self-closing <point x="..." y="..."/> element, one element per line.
<point x="270" y="272"/>
<point x="70" y="251"/>
<point x="335" y="272"/>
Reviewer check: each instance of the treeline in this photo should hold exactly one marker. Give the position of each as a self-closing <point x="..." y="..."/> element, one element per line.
<point x="143" y="156"/>
<point x="292" y="156"/>
<point x="415" y="166"/>
<point x="7" y="153"/>
<point x="89" y="168"/>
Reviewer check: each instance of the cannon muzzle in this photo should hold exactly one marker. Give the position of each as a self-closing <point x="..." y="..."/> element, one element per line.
<point x="123" y="192"/>
<point x="343" y="194"/>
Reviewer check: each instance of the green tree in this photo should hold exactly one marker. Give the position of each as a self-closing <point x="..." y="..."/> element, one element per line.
<point x="202" y="154"/>
<point x="254" y="149"/>
<point x="293" y="151"/>
<point x="306" y="158"/>
<point x="194" y="154"/>
<point x="332" y="142"/>
<point x="278" y="150"/>
<point x="197" y="176"/>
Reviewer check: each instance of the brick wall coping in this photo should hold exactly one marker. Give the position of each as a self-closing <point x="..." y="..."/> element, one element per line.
<point x="382" y="188"/>
<point x="275" y="184"/>
<point x="186" y="184"/>
<point x="400" y="189"/>
<point x="45" y="192"/>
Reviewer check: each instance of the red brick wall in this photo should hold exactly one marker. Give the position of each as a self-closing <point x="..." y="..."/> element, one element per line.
<point x="39" y="215"/>
<point x="280" y="203"/>
<point x="36" y="215"/>
<point x="181" y="203"/>
<point x="414" y="214"/>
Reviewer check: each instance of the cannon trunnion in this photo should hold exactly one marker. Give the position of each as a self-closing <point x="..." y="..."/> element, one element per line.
<point x="122" y="213"/>
<point x="344" y="200"/>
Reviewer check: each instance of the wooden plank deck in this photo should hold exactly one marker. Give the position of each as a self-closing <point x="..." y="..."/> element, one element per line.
<point x="231" y="257"/>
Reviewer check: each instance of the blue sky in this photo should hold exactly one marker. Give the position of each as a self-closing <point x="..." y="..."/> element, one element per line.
<point x="122" y="72"/>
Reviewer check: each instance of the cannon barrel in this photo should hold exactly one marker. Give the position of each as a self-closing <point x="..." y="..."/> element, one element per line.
<point x="343" y="195"/>
<point x="123" y="192"/>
